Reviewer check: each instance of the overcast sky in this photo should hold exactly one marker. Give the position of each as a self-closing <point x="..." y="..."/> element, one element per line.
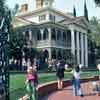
<point x="65" y="5"/>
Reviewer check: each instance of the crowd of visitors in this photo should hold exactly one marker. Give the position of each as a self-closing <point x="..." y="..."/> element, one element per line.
<point x="60" y="67"/>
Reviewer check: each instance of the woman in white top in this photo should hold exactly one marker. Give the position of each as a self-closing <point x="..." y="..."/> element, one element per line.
<point x="76" y="82"/>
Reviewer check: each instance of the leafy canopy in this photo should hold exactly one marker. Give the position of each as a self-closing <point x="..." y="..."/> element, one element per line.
<point x="97" y="2"/>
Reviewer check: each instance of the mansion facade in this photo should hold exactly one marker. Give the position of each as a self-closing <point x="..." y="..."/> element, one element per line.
<point x="47" y="28"/>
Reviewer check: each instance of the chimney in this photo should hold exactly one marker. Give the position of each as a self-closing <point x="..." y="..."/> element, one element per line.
<point x="24" y="7"/>
<point x="39" y="3"/>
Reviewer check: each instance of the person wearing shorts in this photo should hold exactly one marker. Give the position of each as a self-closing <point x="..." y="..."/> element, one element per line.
<point x="60" y="74"/>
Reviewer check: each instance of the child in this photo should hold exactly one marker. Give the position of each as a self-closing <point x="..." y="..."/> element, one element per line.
<point x="31" y="84"/>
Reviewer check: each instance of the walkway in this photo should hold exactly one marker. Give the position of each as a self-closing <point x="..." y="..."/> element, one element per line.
<point x="66" y="94"/>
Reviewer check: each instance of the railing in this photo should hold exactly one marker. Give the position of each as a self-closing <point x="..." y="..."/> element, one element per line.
<point x="48" y="43"/>
<point x="43" y="43"/>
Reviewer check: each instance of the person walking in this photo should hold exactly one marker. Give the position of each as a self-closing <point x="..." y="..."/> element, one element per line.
<point x="76" y="82"/>
<point x="60" y="74"/>
<point x="35" y="80"/>
<point x="31" y="83"/>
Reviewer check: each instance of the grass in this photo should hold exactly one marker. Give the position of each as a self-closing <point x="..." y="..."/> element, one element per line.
<point x="17" y="81"/>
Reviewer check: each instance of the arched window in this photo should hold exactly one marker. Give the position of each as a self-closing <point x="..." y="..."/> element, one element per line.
<point x="58" y="35"/>
<point x="45" y="34"/>
<point x="38" y="35"/>
<point x="53" y="34"/>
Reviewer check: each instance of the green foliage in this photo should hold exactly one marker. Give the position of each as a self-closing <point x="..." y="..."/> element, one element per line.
<point x="95" y="30"/>
<point x="97" y="2"/>
<point x="15" y="9"/>
<point x="85" y="12"/>
<point x="74" y="12"/>
<point x="13" y="37"/>
<point x="94" y="35"/>
<point x="2" y="7"/>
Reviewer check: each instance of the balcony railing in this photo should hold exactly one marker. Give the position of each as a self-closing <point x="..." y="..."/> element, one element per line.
<point x="51" y="43"/>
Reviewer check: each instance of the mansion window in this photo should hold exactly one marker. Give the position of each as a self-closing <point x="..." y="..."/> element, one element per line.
<point x="42" y="17"/>
<point x="53" y="34"/>
<point x="45" y="34"/>
<point x="38" y="35"/>
<point x="52" y="17"/>
<point x="64" y="36"/>
<point x="58" y="34"/>
<point x="68" y="38"/>
<point x="27" y="35"/>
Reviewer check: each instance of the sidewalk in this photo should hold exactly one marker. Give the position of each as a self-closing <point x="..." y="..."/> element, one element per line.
<point x="66" y="94"/>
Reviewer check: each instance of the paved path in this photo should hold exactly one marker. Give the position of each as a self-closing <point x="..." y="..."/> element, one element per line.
<point x="66" y="94"/>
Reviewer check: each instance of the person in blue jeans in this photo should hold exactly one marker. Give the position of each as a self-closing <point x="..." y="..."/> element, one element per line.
<point x="76" y="82"/>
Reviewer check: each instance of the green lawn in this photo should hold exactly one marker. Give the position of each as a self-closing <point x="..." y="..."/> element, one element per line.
<point x="17" y="81"/>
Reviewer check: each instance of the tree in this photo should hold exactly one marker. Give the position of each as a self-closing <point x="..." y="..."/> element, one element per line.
<point x="95" y="30"/>
<point x="85" y="11"/>
<point x="94" y="35"/>
<point x="97" y="2"/>
<point x="74" y="11"/>
<point x="2" y="7"/>
<point x="4" y="48"/>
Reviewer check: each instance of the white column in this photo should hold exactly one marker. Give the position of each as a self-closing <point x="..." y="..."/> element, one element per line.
<point x="78" y="48"/>
<point x="73" y="42"/>
<point x="49" y="51"/>
<point x="41" y="30"/>
<point x="56" y="53"/>
<point x="49" y="31"/>
<point x="34" y="38"/>
<point x="86" y="51"/>
<point x="82" y="49"/>
<point x="24" y="33"/>
<point x="56" y="34"/>
<point x="30" y="35"/>
<point x="61" y="35"/>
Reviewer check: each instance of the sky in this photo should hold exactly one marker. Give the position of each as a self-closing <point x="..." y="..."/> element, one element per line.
<point x="64" y="5"/>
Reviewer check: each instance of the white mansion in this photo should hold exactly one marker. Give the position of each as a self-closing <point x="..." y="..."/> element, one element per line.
<point x="57" y="32"/>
